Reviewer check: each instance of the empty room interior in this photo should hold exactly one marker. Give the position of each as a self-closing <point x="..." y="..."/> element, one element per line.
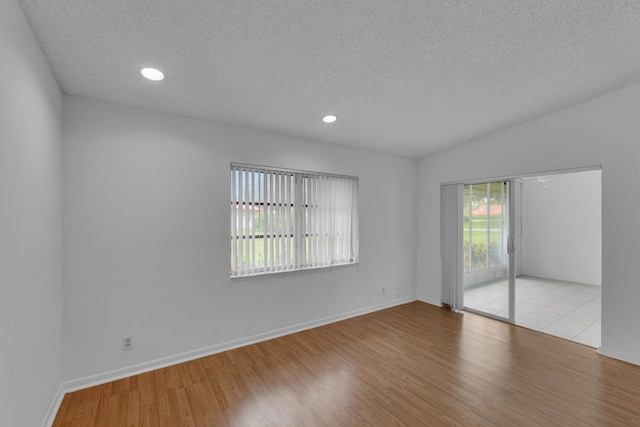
<point x="310" y="213"/>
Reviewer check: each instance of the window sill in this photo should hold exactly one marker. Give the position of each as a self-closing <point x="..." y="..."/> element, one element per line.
<point x="296" y="270"/>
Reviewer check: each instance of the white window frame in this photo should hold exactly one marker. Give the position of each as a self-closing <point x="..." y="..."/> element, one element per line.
<point x="288" y="220"/>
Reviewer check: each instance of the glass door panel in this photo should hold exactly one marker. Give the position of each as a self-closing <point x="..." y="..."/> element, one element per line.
<point x="487" y="288"/>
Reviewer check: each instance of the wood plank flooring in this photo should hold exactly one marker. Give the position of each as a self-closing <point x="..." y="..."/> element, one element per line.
<point x="411" y="365"/>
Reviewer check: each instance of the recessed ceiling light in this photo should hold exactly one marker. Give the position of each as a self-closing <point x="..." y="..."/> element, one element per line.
<point x="152" y="74"/>
<point x="329" y="119"/>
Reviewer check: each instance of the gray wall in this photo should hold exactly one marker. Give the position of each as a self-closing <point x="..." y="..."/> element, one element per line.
<point x="146" y="226"/>
<point x="603" y="131"/>
<point x="562" y="228"/>
<point x="30" y="225"/>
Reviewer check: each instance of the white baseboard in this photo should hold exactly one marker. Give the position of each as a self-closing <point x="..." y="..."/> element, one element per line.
<point x="629" y="358"/>
<point x="429" y="301"/>
<point x="53" y="409"/>
<point x="93" y="380"/>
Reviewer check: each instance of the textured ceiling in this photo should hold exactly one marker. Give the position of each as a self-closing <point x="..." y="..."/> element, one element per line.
<point x="404" y="77"/>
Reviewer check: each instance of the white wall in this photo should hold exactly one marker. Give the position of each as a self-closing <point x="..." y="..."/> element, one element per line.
<point x="603" y="131"/>
<point x="562" y="228"/>
<point x="30" y="225"/>
<point x="146" y="225"/>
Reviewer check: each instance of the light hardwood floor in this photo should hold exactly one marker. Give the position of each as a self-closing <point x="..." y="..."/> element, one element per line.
<point x="413" y="365"/>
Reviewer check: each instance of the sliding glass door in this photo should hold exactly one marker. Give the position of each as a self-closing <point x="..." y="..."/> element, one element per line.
<point x="486" y="227"/>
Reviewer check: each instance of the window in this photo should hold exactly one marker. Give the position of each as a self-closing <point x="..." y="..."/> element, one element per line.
<point x="485" y="219"/>
<point x="284" y="220"/>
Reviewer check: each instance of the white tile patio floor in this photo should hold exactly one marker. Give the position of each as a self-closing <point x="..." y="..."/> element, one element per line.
<point x="564" y="309"/>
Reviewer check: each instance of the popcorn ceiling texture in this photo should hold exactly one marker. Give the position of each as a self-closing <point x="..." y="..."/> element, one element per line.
<point x="407" y="78"/>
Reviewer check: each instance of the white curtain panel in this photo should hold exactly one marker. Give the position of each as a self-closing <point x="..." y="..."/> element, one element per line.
<point x="330" y="222"/>
<point x="451" y="251"/>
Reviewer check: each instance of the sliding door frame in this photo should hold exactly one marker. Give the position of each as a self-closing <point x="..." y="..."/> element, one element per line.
<point x="512" y="203"/>
<point x="513" y="252"/>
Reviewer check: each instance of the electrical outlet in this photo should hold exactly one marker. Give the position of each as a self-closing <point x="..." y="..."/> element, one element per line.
<point x="384" y="290"/>
<point x="127" y="343"/>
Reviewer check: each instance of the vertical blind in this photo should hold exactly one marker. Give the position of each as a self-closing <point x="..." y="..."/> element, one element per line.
<point x="451" y="245"/>
<point x="290" y="220"/>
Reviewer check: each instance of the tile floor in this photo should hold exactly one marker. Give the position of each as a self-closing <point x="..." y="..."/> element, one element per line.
<point x="564" y="309"/>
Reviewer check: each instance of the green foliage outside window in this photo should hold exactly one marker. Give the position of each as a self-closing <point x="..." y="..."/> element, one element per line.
<point x="479" y="255"/>
<point x="484" y="225"/>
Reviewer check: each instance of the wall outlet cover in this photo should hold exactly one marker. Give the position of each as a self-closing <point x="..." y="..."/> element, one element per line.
<point x="127" y="343"/>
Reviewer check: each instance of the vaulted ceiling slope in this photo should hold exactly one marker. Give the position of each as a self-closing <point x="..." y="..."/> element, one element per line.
<point x="408" y="77"/>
